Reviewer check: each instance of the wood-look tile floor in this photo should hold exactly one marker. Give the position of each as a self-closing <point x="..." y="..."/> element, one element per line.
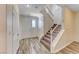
<point x="33" y="46"/>
<point x="73" y="48"/>
<point x="37" y="47"/>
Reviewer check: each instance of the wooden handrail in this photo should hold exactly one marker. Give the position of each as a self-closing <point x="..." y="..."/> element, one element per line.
<point x="53" y="29"/>
<point x="51" y="38"/>
<point x="49" y="12"/>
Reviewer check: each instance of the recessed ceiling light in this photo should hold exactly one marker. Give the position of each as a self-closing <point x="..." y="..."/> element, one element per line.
<point x="28" y="5"/>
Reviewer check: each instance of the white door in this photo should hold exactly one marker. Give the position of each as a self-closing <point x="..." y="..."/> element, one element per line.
<point x="9" y="29"/>
<point x="16" y="30"/>
<point x="12" y="29"/>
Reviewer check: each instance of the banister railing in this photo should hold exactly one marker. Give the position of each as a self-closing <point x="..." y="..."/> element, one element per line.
<point x="53" y="29"/>
<point x="49" y="12"/>
<point x="52" y="38"/>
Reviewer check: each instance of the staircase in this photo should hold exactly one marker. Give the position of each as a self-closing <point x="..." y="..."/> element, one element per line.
<point x="50" y="36"/>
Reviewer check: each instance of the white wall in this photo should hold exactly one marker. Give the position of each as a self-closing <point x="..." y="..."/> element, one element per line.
<point x="26" y="26"/>
<point x="48" y="22"/>
<point x="69" y="30"/>
<point x="57" y="13"/>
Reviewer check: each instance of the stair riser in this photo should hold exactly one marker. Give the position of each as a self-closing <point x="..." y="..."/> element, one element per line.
<point x="47" y="40"/>
<point x="48" y="36"/>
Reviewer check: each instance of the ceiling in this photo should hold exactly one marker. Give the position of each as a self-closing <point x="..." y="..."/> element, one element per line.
<point x="36" y="8"/>
<point x="31" y="8"/>
<point x="73" y="7"/>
